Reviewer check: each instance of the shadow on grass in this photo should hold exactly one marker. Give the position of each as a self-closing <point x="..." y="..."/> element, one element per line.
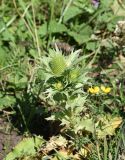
<point x="30" y="117"/>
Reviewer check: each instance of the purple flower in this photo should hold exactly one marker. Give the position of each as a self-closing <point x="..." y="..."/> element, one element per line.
<point x="95" y="3"/>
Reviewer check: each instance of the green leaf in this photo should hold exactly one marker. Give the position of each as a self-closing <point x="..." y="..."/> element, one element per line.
<point x="53" y="27"/>
<point x="18" y="82"/>
<point x="72" y="59"/>
<point x="109" y="125"/>
<point x="3" y="57"/>
<point x="84" y="124"/>
<point x="8" y="36"/>
<point x="106" y="4"/>
<point x="76" y="103"/>
<point x="74" y="74"/>
<point x="59" y="97"/>
<point x="92" y="45"/>
<point x="78" y="37"/>
<point x="82" y="35"/>
<point x="6" y="101"/>
<point x="71" y="13"/>
<point x="27" y="146"/>
<point x="43" y="30"/>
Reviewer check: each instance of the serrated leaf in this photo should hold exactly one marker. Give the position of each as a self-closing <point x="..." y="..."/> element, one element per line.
<point x="76" y="102"/>
<point x="84" y="124"/>
<point x="73" y="57"/>
<point x="109" y="127"/>
<point x="74" y="74"/>
<point x="6" y="101"/>
<point x="27" y="146"/>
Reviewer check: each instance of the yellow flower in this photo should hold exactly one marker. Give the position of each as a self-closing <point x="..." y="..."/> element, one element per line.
<point x="105" y="89"/>
<point x="94" y="90"/>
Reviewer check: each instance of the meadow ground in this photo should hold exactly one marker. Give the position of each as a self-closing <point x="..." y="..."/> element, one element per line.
<point x="62" y="85"/>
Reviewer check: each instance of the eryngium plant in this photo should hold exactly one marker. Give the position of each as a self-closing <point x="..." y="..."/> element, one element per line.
<point x="63" y="87"/>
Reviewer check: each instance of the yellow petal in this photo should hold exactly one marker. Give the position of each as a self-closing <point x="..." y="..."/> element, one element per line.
<point x="91" y="90"/>
<point x="96" y="89"/>
<point x="105" y="90"/>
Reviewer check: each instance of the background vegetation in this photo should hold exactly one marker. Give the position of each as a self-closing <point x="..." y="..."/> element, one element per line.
<point x="62" y="78"/>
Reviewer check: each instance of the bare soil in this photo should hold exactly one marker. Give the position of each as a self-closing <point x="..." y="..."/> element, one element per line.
<point x="9" y="137"/>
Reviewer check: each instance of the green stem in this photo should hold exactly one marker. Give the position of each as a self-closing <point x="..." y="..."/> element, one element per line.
<point x="98" y="152"/>
<point x="23" y="118"/>
<point x="52" y="5"/>
<point x="105" y="148"/>
<point x="94" y="57"/>
<point x="8" y="23"/>
<point x="65" y="10"/>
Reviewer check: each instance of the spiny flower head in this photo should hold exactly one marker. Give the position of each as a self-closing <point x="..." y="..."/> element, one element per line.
<point x="58" y="85"/>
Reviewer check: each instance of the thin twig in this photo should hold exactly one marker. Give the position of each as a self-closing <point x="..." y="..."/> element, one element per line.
<point x="94" y="57"/>
<point x="8" y="24"/>
<point x="7" y="67"/>
<point x="22" y="16"/>
<point x="65" y="10"/>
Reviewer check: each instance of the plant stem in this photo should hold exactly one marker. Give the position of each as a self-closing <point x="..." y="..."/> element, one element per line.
<point x="98" y="152"/>
<point x="23" y="118"/>
<point x="22" y="17"/>
<point x="51" y="18"/>
<point x="8" y="23"/>
<point x="94" y="57"/>
<point x="105" y="148"/>
<point x="65" y="10"/>
<point x="36" y="34"/>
